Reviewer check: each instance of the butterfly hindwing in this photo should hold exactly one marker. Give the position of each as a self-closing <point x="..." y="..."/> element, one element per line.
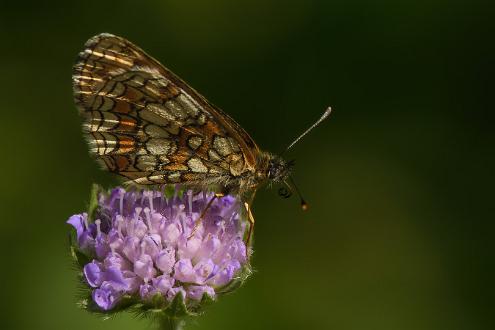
<point x="147" y="125"/>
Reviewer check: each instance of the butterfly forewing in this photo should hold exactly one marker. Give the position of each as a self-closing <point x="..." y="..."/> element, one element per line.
<point x="147" y="125"/>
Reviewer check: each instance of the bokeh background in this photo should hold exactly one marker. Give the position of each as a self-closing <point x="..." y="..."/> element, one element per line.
<point x="400" y="179"/>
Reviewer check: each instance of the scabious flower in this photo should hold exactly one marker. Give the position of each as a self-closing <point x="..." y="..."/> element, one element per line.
<point x="141" y="249"/>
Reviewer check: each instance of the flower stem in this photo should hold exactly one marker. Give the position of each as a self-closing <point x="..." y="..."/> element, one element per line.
<point x="171" y="323"/>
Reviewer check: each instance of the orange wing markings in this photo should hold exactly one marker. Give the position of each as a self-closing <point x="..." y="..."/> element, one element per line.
<point x="146" y="124"/>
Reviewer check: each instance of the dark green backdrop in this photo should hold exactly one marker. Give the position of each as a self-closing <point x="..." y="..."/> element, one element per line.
<point x="400" y="180"/>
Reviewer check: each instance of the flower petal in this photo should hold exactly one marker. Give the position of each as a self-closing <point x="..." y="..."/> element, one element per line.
<point x="163" y="283"/>
<point x="93" y="273"/>
<point x="77" y="222"/>
<point x="184" y="271"/>
<point x="106" y="296"/>
<point x="143" y="267"/>
<point x="196" y="291"/>
<point x="165" y="260"/>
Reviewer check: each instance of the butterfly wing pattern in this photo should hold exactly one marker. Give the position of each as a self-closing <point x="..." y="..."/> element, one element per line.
<point x="147" y="125"/>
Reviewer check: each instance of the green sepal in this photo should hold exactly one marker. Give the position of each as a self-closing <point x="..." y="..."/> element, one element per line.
<point x="181" y="191"/>
<point x="206" y="300"/>
<point x="124" y="303"/>
<point x="93" y="201"/>
<point x="169" y="191"/>
<point x="79" y="257"/>
<point x="177" y="307"/>
<point x="158" y="300"/>
<point x="156" y="303"/>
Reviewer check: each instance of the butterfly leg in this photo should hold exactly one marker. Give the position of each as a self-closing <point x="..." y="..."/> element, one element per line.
<point x="251" y="223"/>
<point x="203" y="213"/>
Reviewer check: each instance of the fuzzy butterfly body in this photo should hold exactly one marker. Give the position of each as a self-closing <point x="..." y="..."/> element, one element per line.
<point x="147" y="125"/>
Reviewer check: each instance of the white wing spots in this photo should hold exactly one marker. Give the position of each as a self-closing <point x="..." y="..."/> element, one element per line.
<point x="196" y="165"/>
<point x="102" y="143"/>
<point x="222" y="145"/>
<point x="158" y="146"/>
<point x="109" y="57"/>
<point x="195" y="142"/>
<point x="153" y="71"/>
<point x="213" y="155"/>
<point x="98" y="121"/>
<point x="152" y="117"/>
<point x="201" y="119"/>
<point x="174" y="177"/>
<point x="160" y="111"/>
<point x="236" y="164"/>
<point x="152" y="87"/>
<point x="187" y="103"/>
<point x="137" y="179"/>
<point x="176" y="110"/>
<point x="81" y="78"/>
<point x="145" y="162"/>
<point x="234" y="145"/>
<point x="117" y="71"/>
<point x="163" y="159"/>
<point x="214" y="170"/>
<point x="155" y="131"/>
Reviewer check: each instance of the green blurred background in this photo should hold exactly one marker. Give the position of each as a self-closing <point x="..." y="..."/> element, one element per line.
<point x="400" y="179"/>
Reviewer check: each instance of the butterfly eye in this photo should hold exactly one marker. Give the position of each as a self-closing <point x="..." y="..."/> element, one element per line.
<point x="272" y="172"/>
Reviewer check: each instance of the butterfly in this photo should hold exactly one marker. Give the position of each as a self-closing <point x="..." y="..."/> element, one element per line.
<point x="147" y="125"/>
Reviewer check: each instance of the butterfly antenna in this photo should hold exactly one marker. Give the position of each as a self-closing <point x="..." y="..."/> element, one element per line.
<point x="304" y="205"/>
<point x="322" y="118"/>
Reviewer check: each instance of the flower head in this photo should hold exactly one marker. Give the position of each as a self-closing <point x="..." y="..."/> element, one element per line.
<point x="143" y="248"/>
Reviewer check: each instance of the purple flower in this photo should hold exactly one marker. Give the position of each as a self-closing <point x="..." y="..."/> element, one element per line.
<point x="106" y="296"/>
<point x="145" y="244"/>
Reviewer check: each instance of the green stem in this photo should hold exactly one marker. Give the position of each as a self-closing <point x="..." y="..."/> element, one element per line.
<point x="170" y="323"/>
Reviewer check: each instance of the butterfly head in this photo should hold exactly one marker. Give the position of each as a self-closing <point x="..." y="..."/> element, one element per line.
<point x="279" y="169"/>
